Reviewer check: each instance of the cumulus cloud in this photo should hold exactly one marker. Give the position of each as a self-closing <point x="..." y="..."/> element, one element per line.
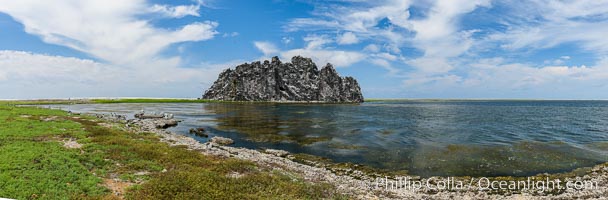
<point x="266" y="47"/>
<point x="348" y="38"/>
<point x="426" y="44"/>
<point x="372" y="48"/>
<point x="499" y="78"/>
<point x="125" y="44"/>
<point x="437" y="34"/>
<point x="30" y="75"/>
<point x="321" y="57"/>
<point x="286" y="40"/>
<point x="442" y="19"/>
<point x="38" y="76"/>
<point x="542" y="24"/>
<point x="315" y="49"/>
<point x="107" y="30"/>
<point x="176" y="11"/>
<point x="233" y="34"/>
<point x="440" y="38"/>
<point x="448" y="50"/>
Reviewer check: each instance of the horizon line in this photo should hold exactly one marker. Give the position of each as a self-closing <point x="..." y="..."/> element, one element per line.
<point x="366" y="99"/>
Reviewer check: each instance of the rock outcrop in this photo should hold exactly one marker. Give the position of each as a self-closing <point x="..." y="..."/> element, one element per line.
<point x="299" y="80"/>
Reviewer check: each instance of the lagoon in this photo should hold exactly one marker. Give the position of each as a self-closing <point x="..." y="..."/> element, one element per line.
<point x="422" y="137"/>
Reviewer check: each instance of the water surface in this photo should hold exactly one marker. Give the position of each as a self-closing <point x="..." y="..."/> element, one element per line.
<point x="448" y="138"/>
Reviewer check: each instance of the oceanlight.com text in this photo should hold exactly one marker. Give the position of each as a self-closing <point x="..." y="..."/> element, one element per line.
<point x="482" y="184"/>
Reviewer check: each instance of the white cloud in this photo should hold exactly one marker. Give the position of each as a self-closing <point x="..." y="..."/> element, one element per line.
<point x="127" y="45"/>
<point x="372" y="48"/>
<point x="560" y="61"/>
<point x="348" y="38"/>
<point x="360" y="20"/>
<point x="386" y="65"/>
<point x="321" y="57"/>
<point x="316" y="41"/>
<point x="109" y="31"/>
<point x="498" y="78"/>
<point x="316" y="49"/>
<point x="286" y="40"/>
<point x="431" y="65"/>
<point x="442" y="19"/>
<point x="266" y="47"/>
<point x="19" y="65"/>
<point x="446" y="56"/>
<point x="29" y="75"/>
<point x="308" y="24"/>
<point x="450" y="55"/>
<point x="437" y="34"/>
<point x="233" y="34"/>
<point x="176" y="11"/>
<point x="386" y="56"/>
<point x="545" y="24"/>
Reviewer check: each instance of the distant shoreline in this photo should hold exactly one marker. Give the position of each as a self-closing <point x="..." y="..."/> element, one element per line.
<point x="150" y="100"/>
<point x="474" y="99"/>
<point x="161" y="99"/>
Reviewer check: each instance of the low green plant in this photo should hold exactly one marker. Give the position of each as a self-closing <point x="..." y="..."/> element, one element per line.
<point x="36" y="165"/>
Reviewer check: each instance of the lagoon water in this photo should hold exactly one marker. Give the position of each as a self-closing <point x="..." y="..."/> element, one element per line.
<point x="427" y="138"/>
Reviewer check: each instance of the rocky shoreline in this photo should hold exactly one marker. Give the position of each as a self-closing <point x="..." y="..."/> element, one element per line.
<point x="361" y="185"/>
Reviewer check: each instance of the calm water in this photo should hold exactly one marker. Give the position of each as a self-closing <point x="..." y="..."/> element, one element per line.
<point x="449" y="138"/>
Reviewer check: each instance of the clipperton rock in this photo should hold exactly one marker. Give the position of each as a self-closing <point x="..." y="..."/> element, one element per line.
<point x="298" y="81"/>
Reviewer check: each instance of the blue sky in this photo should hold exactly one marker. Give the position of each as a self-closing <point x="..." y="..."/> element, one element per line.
<point x="395" y="48"/>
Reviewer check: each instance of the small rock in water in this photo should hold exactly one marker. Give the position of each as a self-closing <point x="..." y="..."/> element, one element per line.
<point x="143" y="115"/>
<point x="221" y="140"/>
<point x="166" y="123"/>
<point x="198" y="132"/>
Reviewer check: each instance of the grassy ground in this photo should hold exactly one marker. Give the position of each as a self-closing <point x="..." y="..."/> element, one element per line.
<point x="36" y="165"/>
<point x="43" y="102"/>
<point x="89" y="101"/>
<point x="152" y="101"/>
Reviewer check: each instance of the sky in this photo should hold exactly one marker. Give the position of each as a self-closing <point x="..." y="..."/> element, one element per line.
<point x="534" y="49"/>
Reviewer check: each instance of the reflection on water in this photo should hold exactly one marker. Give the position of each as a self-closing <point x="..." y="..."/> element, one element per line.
<point x="269" y="122"/>
<point x="478" y="138"/>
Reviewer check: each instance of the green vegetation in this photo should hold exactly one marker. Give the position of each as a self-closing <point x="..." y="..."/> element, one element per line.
<point x="152" y="101"/>
<point x="36" y="164"/>
<point x="43" y="102"/>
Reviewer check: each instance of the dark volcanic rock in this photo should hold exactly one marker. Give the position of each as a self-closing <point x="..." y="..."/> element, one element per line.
<point x="299" y="80"/>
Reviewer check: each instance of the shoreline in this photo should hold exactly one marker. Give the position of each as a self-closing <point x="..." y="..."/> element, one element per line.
<point x="363" y="185"/>
<point x="69" y="101"/>
<point x="110" y="100"/>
